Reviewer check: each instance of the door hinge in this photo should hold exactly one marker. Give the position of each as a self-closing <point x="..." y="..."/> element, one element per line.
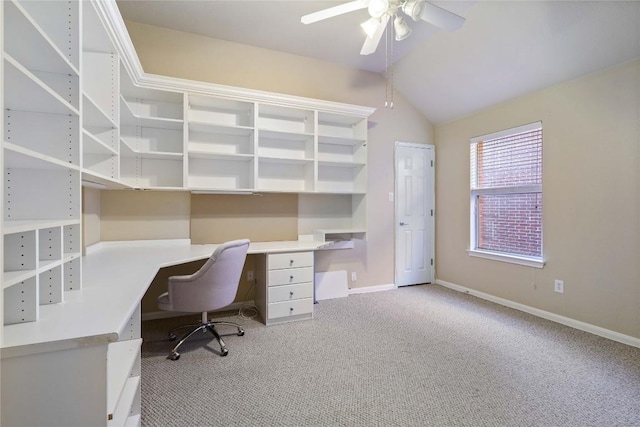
<point x="431" y="261"/>
<point x="431" y="212"/>
<point x="431" y="163"/>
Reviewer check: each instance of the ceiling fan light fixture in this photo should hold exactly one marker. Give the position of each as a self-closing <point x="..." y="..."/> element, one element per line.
<point x="370" y="26"/>
<point x="377" y="8"/>
<point x="401" y="28"/>
<point x="413" y="8"/>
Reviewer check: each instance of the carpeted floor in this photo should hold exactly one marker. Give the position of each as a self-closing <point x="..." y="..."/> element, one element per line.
<point x="417" y="356"/>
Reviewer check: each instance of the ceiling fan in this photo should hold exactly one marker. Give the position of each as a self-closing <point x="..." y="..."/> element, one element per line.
<point x="381" y="11"/>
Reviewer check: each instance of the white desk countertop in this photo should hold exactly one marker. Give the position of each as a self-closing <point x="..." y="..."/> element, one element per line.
<point x="115" y="276"/>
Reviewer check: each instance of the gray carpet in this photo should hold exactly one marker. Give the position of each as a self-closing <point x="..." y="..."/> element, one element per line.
<point x="417" y="356"/>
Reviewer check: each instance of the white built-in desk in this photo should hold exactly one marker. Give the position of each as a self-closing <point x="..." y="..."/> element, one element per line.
<point x="80" y="363"/>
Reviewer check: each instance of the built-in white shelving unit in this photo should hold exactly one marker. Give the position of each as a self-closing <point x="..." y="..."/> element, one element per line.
<point x="78" y="110"/>
<point x="286" y="149"/>
<point x="41" y="151"/>
<point x="100" y="96"/>
<point x="60" y="125"/>
<point x="220" y="144"/>
<point x="151" y="137"/>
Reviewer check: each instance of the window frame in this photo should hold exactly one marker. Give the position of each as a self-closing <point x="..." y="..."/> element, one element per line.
<point x="474" y="193"/>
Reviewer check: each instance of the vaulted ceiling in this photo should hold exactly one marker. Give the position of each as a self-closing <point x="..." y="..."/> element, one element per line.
<point x="505" y="48"/>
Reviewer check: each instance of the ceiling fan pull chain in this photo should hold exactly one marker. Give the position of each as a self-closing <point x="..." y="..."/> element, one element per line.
<point x="393" y="36"/>
<point x="386" y="69"/>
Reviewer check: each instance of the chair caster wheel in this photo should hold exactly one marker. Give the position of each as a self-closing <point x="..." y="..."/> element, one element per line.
<point x="174" y="356"/>
<point x="172" y="336"/>
<point x="240" y="332"/>
<point x="224" y="352"/>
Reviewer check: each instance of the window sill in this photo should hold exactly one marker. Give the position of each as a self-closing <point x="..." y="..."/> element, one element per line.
<point x="513" y="259"/>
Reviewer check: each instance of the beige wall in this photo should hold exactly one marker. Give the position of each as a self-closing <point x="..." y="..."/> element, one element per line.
<point x="260" y="218"/>
<point x="171" y="53"/>
<point x="144" y="215"/>
<point x="90" y="216"/>
<point x="591" y="201"/>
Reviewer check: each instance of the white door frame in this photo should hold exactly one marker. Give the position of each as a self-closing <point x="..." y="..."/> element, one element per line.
<point x="431" y="202"/>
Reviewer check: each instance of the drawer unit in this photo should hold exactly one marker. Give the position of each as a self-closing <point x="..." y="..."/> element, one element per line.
<point x="290" y="292"/>
<point x="284" y="289"/>
<point x="289" y="276"/>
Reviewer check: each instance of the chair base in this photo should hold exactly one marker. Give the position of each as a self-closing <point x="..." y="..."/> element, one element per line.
<point x="204" y="326"/>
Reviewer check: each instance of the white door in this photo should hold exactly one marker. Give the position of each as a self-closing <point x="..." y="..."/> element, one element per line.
<point x="414" y="213"/>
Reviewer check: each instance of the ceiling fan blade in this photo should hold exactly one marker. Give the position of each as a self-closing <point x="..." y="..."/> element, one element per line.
<point x="333" y="11"/>
<point x="371" y="43"/>
<point x="441" y="18"/>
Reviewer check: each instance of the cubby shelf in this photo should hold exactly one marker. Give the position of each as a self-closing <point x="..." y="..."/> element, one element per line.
<point x="10" y="278"/>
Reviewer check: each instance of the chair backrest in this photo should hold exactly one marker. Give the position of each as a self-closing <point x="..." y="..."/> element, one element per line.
<point x="215" y="284"/>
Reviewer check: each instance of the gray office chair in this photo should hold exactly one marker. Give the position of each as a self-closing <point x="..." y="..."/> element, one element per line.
<point x="212" y="287"/>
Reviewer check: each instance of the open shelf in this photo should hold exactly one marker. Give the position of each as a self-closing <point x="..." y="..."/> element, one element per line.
<point x="17" y="157"/>
<point x="145" y="113"/>
<point x="285" y="145"/>
<point x="58" y="22"/>
<point x="229" y="173"/>
<point x="121" y="358"/>
<point x="285" y="175"/>
<point x="55" y="136"/>
<point x="150" y="142"/>
<point x="21" y="302"/>
<point x="127" y="151"/>
<point x="24" y="91"/>
<point x="142" y="172"/>
<point x="285" y="119"/>
<point x="342" y="128"/>
<point x="220" y="139"/>
<point x="221" y="112"/>
<point x="31" y="45"/>
<point x="50" y="283"/>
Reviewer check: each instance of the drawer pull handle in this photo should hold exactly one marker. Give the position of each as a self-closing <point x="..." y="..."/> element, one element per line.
<point x="290" y="262"/>
<point x="291" y="293"/>
<point x="291" y="277"/>
<point x="290" y="308"/>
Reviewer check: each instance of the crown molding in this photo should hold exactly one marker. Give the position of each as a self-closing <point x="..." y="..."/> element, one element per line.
<point x="118" y="31"/>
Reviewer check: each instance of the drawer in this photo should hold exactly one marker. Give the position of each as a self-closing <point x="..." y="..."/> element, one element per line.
<point x="290" y="308"/>
<point x="290" y="292"/>
<point x="290" y="276"/>
<point x="290" y="260"/>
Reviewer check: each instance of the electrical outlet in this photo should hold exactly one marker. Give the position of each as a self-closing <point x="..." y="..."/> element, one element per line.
<point x="559" y="286"/>
<point x="250" y="276"/>
<point x="354" y="276"/>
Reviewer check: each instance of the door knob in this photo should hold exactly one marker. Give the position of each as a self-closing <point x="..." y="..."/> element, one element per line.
<point x="404" y="223"/>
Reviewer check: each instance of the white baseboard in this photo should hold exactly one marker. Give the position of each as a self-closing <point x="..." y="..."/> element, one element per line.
<point x="367" y="289"/>
<point x="567" y="321"/>
<point x="153" y="315"/>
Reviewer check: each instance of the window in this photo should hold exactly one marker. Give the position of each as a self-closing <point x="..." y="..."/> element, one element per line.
<point x="506" y="195"/>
